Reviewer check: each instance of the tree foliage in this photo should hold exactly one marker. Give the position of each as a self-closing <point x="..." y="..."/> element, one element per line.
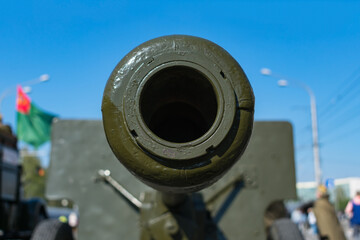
<point x="33" y="176"/>
<point x="341" y="199"/>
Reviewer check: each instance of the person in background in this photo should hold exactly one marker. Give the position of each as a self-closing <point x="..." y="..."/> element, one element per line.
<point x="312" y="221"/>
<point x="352" y="210"/>
<point x="299" y="218"/>
<point x="326" y="219"/>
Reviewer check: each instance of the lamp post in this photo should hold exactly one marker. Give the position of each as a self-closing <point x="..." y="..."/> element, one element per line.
<point x="315" y="135"/>
<point x="27" y="88"/>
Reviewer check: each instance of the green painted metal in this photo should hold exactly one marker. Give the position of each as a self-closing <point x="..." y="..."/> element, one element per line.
<point x="188" y="220"/>
<point x="178" y="112"/>
<point x="79" y="150"/>
<point x="268" y="170"/>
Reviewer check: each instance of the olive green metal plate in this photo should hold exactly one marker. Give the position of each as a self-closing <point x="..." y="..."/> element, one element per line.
<point x="268" y="170"/>
<point x="79" y="149"/>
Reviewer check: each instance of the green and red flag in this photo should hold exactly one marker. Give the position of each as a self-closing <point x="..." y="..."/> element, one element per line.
<point x="33" y="124"/>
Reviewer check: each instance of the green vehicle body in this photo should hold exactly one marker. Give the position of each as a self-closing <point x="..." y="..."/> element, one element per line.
<point x="178" y="114"/>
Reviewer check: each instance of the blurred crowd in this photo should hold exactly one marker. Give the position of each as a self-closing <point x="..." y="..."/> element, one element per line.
<point x="319" y="220"/>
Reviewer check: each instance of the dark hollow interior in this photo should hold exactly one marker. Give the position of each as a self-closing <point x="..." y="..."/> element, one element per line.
<point x="178" y="104"/>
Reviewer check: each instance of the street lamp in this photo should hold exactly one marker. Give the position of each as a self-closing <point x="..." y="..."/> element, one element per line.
<point x="42" y="78"/>
<point x="27" y="88"/>
<point x="315" y="135"/>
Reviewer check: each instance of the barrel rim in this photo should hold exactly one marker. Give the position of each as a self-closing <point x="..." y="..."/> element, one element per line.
<point x="187" y="150"/>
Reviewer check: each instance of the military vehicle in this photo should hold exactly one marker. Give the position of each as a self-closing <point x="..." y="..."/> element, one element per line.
<point x="178" y="114"/>
<point x="18" y="216"/>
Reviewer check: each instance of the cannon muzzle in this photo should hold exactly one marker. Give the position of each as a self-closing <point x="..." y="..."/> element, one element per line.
<point x="178" y="112"/>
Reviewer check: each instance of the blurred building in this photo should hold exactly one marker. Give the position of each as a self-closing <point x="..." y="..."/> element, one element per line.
<point x="340" y="190"/>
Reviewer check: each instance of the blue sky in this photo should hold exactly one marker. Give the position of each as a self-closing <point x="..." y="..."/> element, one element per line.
<point x="78" y="43"/>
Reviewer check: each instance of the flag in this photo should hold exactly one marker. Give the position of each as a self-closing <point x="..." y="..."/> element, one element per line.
<point x="33" y="124"/>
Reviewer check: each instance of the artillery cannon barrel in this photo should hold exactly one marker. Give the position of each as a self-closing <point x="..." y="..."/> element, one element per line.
<point x="178" y="112"/>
